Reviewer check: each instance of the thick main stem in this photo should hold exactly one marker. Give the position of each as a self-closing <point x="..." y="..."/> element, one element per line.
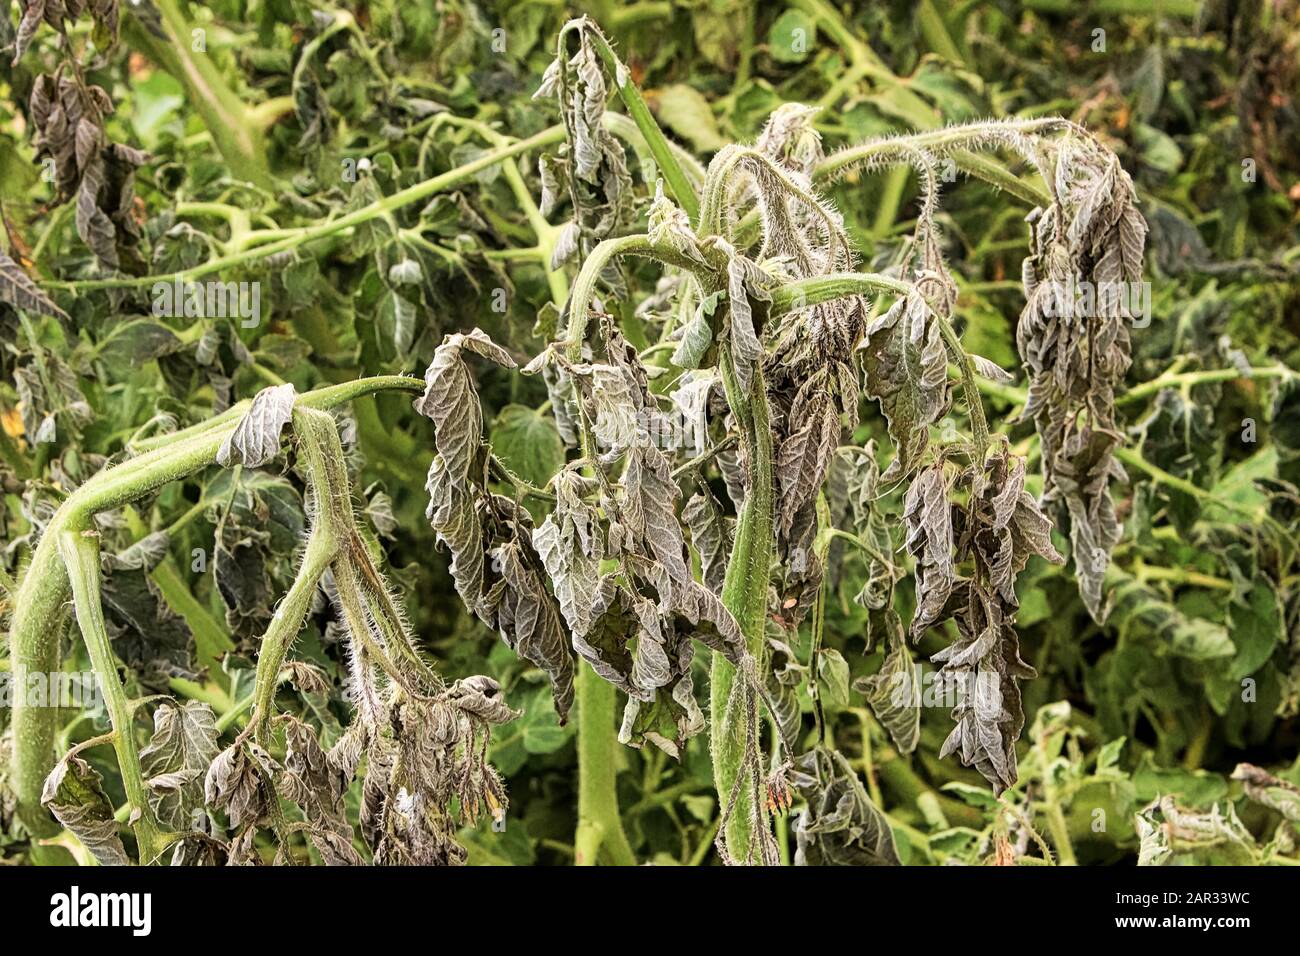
<point x="744" y="592"/>
<point x="599" y="823"/>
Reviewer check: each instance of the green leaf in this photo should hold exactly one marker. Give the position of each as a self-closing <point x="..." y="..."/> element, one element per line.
<point x="1108" y="756"/>
<point x="395" y="324"/>
<point x="1238" y="486"/>
<point x="718" y="29"/>
<point x="791" y="37"/>
<point x="686" y="112"/>
<point x="833" y="675"/>
<point x="133" y="343"/>
<point x="1141" y="611"/>
<point x="1256" y="629"/>
<point x="528" y="443"/>
<point x="1195" y="788"/>
<point x="537" y="731"/>
<point x="981" y="797"/>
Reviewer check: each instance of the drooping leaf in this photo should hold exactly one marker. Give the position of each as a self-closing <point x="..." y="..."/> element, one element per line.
<point x="20" y="290"/>
<point x="241" y="782"/>
<point x="840" y="826"/>
<point x="570" y="546"/>
<point x="894" y="692"/>
<point x="74" y="793"/>
<point x="711" y="536"/>
<point x="256" y="439"/>
<point x="928" y="520"/>
<point x="907" y="372"/>
<point x="451" y="400"/>
<point x="529" y="619"/>
<point x="177" y="758"/>
<point x="804" y="458"/>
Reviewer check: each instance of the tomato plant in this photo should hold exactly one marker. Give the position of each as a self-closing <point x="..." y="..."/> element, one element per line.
<point x="764" y="511"/>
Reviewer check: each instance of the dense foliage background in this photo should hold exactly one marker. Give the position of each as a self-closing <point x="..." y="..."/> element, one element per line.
<point x="281" y="116"/>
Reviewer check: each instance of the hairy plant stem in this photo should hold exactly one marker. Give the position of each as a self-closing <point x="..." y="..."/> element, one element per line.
<point x="323" y="544"/>
<point x="79" y="548"/>
<point x="260" y="243"/>
<point x="898" y="152"/>
<point x="954" y="142"/>
<point x="744" y="592"/>
<point x="1060" y="832"/>
<point x="299" y="237"/>
<point x="974" y="404"/>
<point x="803" y="293"/>
<point x="39" y="604"/>
<point x="745" y="584"/>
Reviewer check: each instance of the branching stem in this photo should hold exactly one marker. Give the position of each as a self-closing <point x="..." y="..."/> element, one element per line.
<point x="39" y="604"/>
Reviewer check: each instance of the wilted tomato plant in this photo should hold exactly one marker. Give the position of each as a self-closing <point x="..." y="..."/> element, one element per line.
<point x="707" y="487"/>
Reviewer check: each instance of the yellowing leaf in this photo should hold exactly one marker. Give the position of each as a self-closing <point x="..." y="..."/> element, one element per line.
<point x="11" y="420"/>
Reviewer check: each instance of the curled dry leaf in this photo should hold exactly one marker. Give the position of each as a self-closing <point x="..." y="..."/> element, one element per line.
<point x="894" y="692"/>
<point x="1077" y="351"/>
<point x="907" y="372"/>
<point x="74" y="793"/>
<point x="176" y="760"/>
<point x="256" y="439"/>
<point x="21" y="291"/>
<point x="840" y="826"/>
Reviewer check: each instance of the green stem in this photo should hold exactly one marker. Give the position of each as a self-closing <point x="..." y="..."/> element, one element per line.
<point x="1183" y="9"/>
<point x="970" y="387"/>
<point x="803" y="293"/>
<point x="821" y="547"/>
<point x="627" y="130"/>
<point x="1134" y="459"/>
<point x="865" y="64"/>
<point x="678" y="184"/>
<point x="1203" y="377"/>
<point x="935" y="31"/>
<point x="953" y="142"/>
<point x="376" y="209"/>
<point x="236" y="134"/>
<point x="599" y="823"/>
<point x="584" y="286"/>
<point x="1060" y="832"/>
<point x="284" y="627"/>
<point x="80" y="551"/>
<point x="744" y="592"/>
